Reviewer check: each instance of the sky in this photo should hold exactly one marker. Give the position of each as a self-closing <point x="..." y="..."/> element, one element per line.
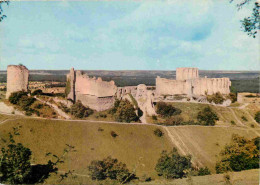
<point x="127" y="35"/>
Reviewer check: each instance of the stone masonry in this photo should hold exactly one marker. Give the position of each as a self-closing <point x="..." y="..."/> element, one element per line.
<point x="189" y="83"/>
<point x="17" y="79"/>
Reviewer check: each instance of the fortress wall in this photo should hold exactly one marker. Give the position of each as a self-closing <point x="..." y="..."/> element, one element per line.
<point x="96" y="103"/>
<point x="121" y="91"/>
<point x="168" y="86"/>
<point x="94" y="86"/>
<point x="187" y="73"/>
<point x="71" y="78"/>
<point x="17" y="79"/>
<point x="211" y="86"/>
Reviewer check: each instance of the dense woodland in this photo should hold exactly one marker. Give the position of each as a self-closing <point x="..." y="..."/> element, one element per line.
<point x="242" y="81"/>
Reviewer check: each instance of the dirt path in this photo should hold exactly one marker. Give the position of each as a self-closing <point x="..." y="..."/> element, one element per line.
<point x="181" y="146"/>
<point x="235" y="116"/>
<point x="8" y="109"/>
<point x="56" y="108"/>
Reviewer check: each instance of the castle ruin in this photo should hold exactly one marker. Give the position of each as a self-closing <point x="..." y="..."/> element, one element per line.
<point x="17" y="79"/>
<point x="189" y="83"/>
<point x="93" y="92"/>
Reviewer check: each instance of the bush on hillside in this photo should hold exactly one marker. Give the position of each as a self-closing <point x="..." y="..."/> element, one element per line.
<point x="172" y="165"/>
<point x="204" y="171"/>
<point x="232" y="97"/>
<point x="110" y="168"/>
<point x="15" y="165"/>
<point x="207" y="117"/>
<point x="158" y="132"/>
<point x="114" y="108"/>
<point x="125" y="112"/>
<point x="80" y="111"/>
<point x="15" y="96"/>
<point x="217" y="98"/>
<point x="174" y="120"/>
<point x="257" y="117"/>
<point x="166" y="110"/>
<point x="37" y="92"/>
<point x="25" y="102"/>
<point x="240" y="154"/>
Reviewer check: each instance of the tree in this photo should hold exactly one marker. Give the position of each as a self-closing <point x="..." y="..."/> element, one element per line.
<point x="125" y="112"/>
<point x="240" y="154"/>
<point x="2" y="16"/>
<point x="207" y="117"/>
<point x="80" y="111"/>
<point x="251" y="24"/>
<point x="110" y="168"/>
<point x="15" y="96"/>
<point x="15" y="165"/>
<point x="172" y="165"/>
<point x="166" y="110"/>
<point x="257" y="117"/>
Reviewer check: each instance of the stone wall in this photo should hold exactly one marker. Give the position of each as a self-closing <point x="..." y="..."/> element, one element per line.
<point x="191" y="86"/>
<point x="121" y="91"/>
<point x="92" y="92"/>
<point x="186" y="73"/>
<point x="17" y="79"/>
<point x="94" y="86"/>
<point x="169" y="86"/>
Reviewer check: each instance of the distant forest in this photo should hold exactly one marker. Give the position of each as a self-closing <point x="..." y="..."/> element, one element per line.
<point x="242" y="81"/>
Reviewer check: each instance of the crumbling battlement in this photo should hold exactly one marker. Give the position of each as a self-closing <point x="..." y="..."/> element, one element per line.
<point x="188" y="82"/>
<point x="187" y="73"/>
<point x="92" y="92"/>
<point x="17" y="79"/>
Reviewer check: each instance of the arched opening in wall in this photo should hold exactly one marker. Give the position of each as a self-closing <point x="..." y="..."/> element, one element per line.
<point x="192" y="89"/>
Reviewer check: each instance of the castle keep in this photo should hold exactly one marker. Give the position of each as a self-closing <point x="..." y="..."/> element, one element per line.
<point x="189" y="83"/>
<point x="17" y="79"/>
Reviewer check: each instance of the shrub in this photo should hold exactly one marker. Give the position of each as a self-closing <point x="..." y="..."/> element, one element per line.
<point x="110" y="168"/>
<point x="15" y="165"/>
<point x="257" y="117"/>
<point x="244" y="118"/>
<point x="204" y="171"/>
<point x="217" y="98"/>
<point x="38" y="106"/>
<point x="37" y="92"/>
<point x="113" y="134"/>
<point x="116" y="105"/>
<point x="174" y="120"/>
<point x="207" y="117"/>
<point x="125" y="112"/>
<point x="166" y="110"/>
<point x="154" y="117"/>
<point x="15" y="97"/>
<point x="233" y="122"/>
<point x="240" y="154"/>
<point x="158" y="132"/>
<point x="172" y="165"/>
<point x="80" y="111"/>
<point x="25" y="102"/>
<point x="232" y="97"/>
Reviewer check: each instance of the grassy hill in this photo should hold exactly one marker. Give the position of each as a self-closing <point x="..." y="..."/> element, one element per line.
<point x="248" y="177"/>
<point x="135" y="145"/>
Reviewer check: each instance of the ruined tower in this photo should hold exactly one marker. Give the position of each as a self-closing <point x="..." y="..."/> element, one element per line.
<point x="17" y="79"/>
<point x="187" y="73"/>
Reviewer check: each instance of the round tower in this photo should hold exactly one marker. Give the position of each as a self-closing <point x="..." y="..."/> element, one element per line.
<point x="17" y="79"/>
<point x="187" y="73"/>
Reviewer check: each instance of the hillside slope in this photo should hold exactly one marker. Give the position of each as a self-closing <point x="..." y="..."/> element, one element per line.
<point x="136" y="145"/>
